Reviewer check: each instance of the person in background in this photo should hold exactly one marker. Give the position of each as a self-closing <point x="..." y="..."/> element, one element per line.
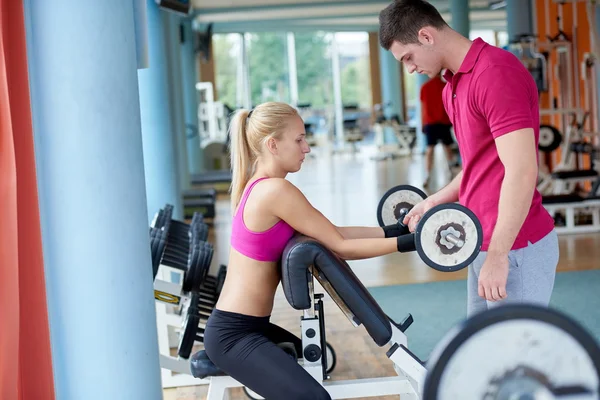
<point x="436" y="123"/>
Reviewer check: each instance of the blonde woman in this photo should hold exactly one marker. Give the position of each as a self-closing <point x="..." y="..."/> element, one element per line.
<point x="267" y="144"/>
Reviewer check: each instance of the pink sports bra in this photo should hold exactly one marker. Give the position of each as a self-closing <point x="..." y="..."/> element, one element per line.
<point x="262" y="246"/>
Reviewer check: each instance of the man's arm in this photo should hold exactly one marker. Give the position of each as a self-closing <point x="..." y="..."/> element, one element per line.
<point x="449" y="193"/>
<point x="518" y="154"/>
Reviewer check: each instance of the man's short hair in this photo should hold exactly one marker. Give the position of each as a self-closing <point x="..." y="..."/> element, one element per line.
<point x="402" y="20"/>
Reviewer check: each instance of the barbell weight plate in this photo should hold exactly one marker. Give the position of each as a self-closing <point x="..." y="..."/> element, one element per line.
<point x="432" y="244"/>
<point x="396" y="198"/>
<point x="550" y="138"/>
<point x="514" y="351"/>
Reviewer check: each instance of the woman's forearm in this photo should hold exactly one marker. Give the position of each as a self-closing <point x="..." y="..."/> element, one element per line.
<point x="360" y="232"/>
<point x="360" y="249"/>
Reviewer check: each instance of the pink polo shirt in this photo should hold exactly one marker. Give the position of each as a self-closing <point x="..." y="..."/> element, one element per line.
<point x="492" y="94"/>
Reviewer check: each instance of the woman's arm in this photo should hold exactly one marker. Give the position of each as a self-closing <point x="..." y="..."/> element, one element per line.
<point x="360" y="232"/>
<point x="290" y="205"/>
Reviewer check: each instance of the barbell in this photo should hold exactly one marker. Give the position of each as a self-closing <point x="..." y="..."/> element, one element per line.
<point x="448" y="237"/>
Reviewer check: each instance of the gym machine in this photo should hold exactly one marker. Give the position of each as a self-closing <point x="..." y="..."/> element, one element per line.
<point x="571" y="125"/>
<point x="213" y="121"/>
<point x="405" y="135"/>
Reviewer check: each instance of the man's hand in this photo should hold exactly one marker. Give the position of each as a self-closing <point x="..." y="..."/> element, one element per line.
<point x="414" y="215"/>
<point x="493" y="277"/>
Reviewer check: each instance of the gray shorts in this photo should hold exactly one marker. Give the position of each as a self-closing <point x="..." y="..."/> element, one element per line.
<point x="531" y="274"/>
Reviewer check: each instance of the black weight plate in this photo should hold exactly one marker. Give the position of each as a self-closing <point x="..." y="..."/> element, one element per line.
<point x="550" y="138"/>
<point x="191" y="322"/>
<point x="190" y="275"/>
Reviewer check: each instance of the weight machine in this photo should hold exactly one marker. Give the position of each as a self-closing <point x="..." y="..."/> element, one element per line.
<point x="570" y="122"/>
<point x="213" y="123"/>
<point x="404" y="134"/>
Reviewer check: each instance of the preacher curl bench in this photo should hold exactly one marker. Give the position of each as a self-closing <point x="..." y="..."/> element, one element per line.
<point x="303" y="259"/>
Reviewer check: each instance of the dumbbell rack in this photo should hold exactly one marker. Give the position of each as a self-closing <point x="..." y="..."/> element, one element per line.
<point x="181" y="260"/>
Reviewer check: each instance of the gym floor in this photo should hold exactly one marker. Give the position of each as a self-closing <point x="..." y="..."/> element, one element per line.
<point x="346" y="188"/>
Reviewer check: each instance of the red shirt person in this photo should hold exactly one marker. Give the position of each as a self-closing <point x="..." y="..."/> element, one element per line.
<point x="435" y="121"/>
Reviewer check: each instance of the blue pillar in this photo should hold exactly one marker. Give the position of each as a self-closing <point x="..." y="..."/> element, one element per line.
<point x="519" y="18"/>
<point x="391" y="89"/>
<point x="162" y="184"/>
<point x="86" y="120"/>
<point x="459" y="9"/>
<point x="190" y="102"/>
<point x="171" y="23"/>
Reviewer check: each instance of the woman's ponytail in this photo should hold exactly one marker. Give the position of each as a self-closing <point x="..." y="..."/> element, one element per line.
<point x="241" y="161"/>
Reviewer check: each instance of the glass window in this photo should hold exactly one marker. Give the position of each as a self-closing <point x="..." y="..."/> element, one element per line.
<point x="313" y="60"/>
<point x="268" y="67"/>
<point x="227" y="57"/>
<point x="355" y="69"/>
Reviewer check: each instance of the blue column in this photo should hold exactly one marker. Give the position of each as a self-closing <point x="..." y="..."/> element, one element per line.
<point x="459" y="9"/>
<point x="162" y="184"/>
<point x="190" y="98"/>
<point x="86" y="120"/>
<point x="173" y="61"/>
<point x="391" y="89"/>
<point x="519" y="18"/>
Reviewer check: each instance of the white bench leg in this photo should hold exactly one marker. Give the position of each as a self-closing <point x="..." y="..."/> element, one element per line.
<point x="217" y="389"/>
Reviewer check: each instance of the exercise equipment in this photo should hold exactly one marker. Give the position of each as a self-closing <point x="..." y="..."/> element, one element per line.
<point x="575" y="213"/>
<point x="405" y="135"/>
<point x="482" y="358"/>
<point x="516" y="352"/>
<point x="200" y="201"/>
<point x="303" y="260"/>
<point x="213" y="122"/>
<point x="550" y="138"/>
<point x="184" y="291"/>
<point x="448" y="237"/>
<point x="396" y="199"/>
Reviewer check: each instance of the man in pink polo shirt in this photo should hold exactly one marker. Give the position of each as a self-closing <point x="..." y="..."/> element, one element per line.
<point x="492" y="101"/>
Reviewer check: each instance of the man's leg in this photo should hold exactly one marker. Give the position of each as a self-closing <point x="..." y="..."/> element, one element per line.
<point x="532" y="273"/>
<point x="447" y="141"/>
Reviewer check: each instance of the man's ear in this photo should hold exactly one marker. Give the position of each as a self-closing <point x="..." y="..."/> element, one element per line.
<point x="426" y="36"/>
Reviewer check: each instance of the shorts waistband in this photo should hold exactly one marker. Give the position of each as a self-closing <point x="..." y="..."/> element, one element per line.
<point x="240" y="317"/>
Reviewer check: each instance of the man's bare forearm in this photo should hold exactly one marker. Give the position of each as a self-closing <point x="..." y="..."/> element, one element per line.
<point x="516" y="193"/>
<point x="449" y="194"/>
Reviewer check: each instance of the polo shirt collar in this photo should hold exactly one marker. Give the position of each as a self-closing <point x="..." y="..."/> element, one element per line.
<point x="470" y="59"/>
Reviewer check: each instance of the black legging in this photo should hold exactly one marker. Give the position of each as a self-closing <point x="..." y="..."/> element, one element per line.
<point x="245" y="347"/>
